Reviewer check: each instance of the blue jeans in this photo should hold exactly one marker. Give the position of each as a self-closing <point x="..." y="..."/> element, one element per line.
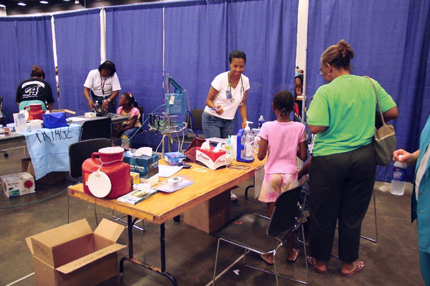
<point x="124" y="138"/>
<point x="425" y="267"/>
<point x="216" y="127"/>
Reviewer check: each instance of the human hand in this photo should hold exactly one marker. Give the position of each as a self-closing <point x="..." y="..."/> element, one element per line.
<point x="91" y="105"/>
<point x="407" y="157"/>
<point x="105" y="105"/>
<point x="219" y="110"/>
<point x="244" y="124"/>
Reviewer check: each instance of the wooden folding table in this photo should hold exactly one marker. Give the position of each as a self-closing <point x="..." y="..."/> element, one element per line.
<point x="161" y="207"/>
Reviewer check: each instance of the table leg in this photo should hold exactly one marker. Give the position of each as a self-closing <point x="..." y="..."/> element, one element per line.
<point x="163" y="247"/>
<point x="133" y="260"/>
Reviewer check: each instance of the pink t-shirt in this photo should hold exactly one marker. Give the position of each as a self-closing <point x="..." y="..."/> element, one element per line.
<point x="283" y="140"/>
<point x="133" y="112"/>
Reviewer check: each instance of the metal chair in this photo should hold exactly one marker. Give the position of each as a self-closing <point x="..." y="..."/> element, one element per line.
<point x="264" y="235"/>
<point x="96" y="128"/>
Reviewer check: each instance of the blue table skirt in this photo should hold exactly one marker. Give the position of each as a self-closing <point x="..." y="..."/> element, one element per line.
<point x="49" y="148"/>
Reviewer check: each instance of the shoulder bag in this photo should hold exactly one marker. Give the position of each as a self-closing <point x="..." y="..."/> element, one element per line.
<point x="384" y="141"/>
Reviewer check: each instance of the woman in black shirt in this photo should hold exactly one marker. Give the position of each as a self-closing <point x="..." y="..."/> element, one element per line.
<point x="35" y="88"/>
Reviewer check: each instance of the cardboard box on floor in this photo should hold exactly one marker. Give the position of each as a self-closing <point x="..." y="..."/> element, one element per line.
<point x="48" y="179"/>
<point x="73" y="254"/>
<point x="19" y="184"/>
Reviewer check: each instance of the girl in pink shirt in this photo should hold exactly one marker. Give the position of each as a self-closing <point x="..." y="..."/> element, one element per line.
<point x="124" y="131"/>
<point x="282" y="141"/>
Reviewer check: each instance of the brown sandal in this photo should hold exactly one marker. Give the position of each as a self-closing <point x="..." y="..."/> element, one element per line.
<point x="295" y="257"/>
<point x="311" y="262"/>
<point x="264" y="257"/>
<point x="360" y="266"/>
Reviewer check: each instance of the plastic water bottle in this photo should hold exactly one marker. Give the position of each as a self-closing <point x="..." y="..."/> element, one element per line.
<point x="399" y="177"/>
<point x="229" y="150"/>
<point x="261" y="121"/>
<point x="249" y="143"/>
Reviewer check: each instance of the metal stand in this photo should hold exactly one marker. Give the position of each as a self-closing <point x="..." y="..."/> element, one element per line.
<point x="246" y="191"/>
<point x="162" y="271"/>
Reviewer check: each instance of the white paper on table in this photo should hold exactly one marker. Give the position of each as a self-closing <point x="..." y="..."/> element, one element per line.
<point x="167" y="187"/>
<point x="168" y="171"/>
<point x="77" y="119"/>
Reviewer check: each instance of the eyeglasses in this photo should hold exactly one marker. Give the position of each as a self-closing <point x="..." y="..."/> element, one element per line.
<point x="320" y="72"/>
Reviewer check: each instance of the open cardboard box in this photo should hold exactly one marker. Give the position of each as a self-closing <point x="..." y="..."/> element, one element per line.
<point x="73" y="254"/>
<point x="48" y="179"/>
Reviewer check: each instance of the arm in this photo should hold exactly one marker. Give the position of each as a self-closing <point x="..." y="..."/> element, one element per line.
<point x="87" y="96"/>
<point x="50" y="99"/>
<point x="118" y="129"/>
<point x="305" y="169"/>
<point x="244" y="110"/>
<point x="111" y="98"/>
<point x="262" y="151"/>
<point x="130" y="125"/>
<point x="317" y="129"/>
<point x="408" y="158"/>
<point x="303" y="155"/>
<point x="210" y="101"/>
<point x="18" y="95"/>
<point x="391" y="114"/>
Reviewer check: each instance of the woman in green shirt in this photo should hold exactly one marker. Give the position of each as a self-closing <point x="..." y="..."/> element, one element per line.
<point x="342" y="173"/>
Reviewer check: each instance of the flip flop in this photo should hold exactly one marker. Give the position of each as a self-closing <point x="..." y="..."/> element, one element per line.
<point x="357" y="269"/>
<point x="265" y="260"/>
<point x="311" y="262"/>
<point x="295" y="258"/>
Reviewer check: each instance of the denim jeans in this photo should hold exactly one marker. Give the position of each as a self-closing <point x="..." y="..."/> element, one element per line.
<point x="124" y="138"/>
<point x="216" y="127"/>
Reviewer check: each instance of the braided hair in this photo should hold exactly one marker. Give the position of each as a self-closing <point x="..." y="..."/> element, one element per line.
<point x="130" y="97"/>
<point x="284" y="102"/>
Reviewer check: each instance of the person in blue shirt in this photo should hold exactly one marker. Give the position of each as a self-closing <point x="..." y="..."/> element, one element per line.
<point x="421" y="196"/>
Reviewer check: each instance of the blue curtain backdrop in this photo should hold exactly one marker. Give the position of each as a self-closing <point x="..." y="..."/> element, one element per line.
<point x="390" y="45"/>
<point x="78" y="52"/>
<point x="196" y="43"/>
<point x="26" y="42"/>
<point x="267" y="32"/>
<point x="134" y="42"/>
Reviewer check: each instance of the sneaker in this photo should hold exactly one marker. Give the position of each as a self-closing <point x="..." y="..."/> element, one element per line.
<point x="233" y="197"/>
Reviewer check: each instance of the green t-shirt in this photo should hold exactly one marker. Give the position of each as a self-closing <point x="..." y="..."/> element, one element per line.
<point x="347" y="106"/>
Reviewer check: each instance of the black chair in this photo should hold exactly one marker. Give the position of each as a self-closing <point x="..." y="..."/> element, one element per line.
<point x="96" y="128"/>
<point x="142" y="119"/>
<point x="264" y="235"/>
<point x="78" y="153"/>
<point x="196" y="117"/>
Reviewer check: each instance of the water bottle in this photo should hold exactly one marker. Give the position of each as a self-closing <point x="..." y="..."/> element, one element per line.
<point x="260" y="121"/>
<point x="399" y="177"/>
<point x="249" y="143"/>
<point x="229" y="151"/>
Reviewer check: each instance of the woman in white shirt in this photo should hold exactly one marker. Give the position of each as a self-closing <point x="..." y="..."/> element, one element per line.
<point x="103" y="83"/>
<point x="227" y="93"/>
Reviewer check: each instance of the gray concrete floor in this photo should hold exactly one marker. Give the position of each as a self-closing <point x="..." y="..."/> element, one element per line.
<point x="191" y="253"/>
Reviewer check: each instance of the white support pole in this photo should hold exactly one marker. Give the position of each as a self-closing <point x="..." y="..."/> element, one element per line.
<point x="164" y="53"/>
<point x="302" y="44"/>
<point x="54" y="50"/>
<point x="102" y="35"/>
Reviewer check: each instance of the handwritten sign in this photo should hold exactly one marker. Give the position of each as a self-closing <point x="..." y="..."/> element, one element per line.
<point x="49" y="148"/>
